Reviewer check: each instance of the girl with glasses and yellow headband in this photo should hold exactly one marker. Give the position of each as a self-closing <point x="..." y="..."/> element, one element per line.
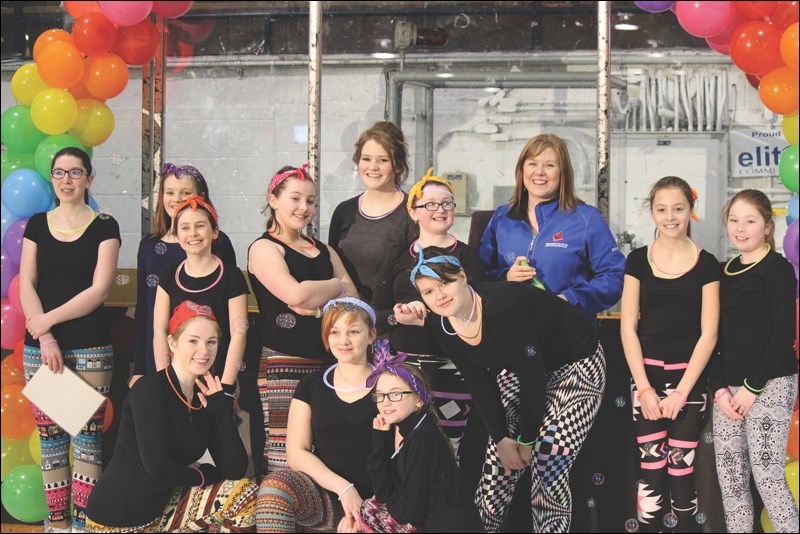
<point x="160" y="249"/>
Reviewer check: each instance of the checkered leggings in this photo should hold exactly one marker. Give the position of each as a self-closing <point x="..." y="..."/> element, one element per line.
<point x="573" y="395"/>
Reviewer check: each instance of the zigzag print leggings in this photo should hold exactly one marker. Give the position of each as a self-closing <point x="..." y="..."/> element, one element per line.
<point x="757" y="445"/>
<point x="573" y="396"/>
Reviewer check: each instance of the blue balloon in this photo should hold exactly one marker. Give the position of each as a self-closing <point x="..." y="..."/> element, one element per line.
<point x="26" y="193"/>
<point x="96" y="207"/>
<point x="793" y="210"/>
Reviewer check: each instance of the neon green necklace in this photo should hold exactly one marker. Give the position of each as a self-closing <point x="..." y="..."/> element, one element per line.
<point x="727" y="271"/>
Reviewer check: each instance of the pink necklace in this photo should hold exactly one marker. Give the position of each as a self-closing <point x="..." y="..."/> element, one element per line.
<point x="652" y="260"/>
<point x="215" y="282"/>
<point x="378" y="217"/>
<point x="412" y="247"/>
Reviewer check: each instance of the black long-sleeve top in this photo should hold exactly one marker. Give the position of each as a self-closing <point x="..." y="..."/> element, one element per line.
<point x="525" y="330"/>
<point x="419" y="485"/>
<point x="757" y="324"/>
<point x="393" y="285"/>
<point x="158" y="438"/>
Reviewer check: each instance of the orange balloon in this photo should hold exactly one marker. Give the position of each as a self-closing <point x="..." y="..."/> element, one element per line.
<point x="9" y="374"/>
<point x="107" y="76"/>
<point x="779" y="91"/>
<point x="108" y="417"/>
<point x="49" y="37"/>
<point x="17" y="416"/>
<point x="793" y="447"/>
<point x="60" y="65"/>
<point x="790" y="44"/>
<point x="77" y="9"/>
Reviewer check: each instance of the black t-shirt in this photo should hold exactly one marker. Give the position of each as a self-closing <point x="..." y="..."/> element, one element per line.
<point x="670" y="309"/>
<point x="64" y="269"/>
<point x="231" y="285"/>
<point x="341" y="430"/>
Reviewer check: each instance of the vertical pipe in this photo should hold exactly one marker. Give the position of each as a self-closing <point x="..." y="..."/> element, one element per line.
<point x="393" y="104"/>
<point x="427" y="100"/>
<point x="153" y="97"/>
<point x="603" y="99"/>
<point x="314" y="93"/>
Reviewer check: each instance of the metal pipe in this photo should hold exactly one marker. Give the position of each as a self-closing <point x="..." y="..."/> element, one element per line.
<point x="603" y="100"/>
<point x="314" y="91"/>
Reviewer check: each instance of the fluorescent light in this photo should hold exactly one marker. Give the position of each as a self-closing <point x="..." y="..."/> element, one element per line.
<point x="625" y="26"/>
<point x="384" y="55"/>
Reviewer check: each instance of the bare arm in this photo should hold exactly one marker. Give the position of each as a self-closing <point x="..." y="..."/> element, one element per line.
<point x="237" y="310"/>
<point x="161" y="314"/>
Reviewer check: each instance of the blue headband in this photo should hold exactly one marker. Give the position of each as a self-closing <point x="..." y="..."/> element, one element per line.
<point x="422" y="265"/>
<point x="350" y="304"/>
<point x="386" y="363"/>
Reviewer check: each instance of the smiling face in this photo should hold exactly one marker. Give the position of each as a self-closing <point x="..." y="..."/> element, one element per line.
<point x="195" y="231"/>
<point x="446" y="298"/>
<point x="671" y="212"/>
<point x="747" y="229"/>
<point x="349" y="338"/>
<point x="542" y="176"/>
<point x="375" y="167"/>
<point x="194" y="345"/>
<point x="396" y="411"/>
<point x="436" y="222"/>
<point x="295" y="204"/>
<point x="67" y="189"/>
<point x="176" y="190"/>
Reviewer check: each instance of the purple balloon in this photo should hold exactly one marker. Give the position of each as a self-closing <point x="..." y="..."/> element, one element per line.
<point x="13" y="242"/>
<point x="791" y="243"/>
<point x="654" y="7"/>
<point x="8" y="270"/>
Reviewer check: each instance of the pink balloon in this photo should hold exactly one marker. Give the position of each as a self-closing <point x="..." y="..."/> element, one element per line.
<point x="8" y="270"/>
<point x="705" y="19"/>
<point x="13" y="295"/>
<point x="721" y="42"/>
<point x="125" y="13"/>
<point x="172" y="10"/>
<point x="12" y="325"/>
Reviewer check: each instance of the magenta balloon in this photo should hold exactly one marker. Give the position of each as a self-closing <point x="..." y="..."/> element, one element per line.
<point x="791" y="242"/>
<point x="12" y="325"/>
<point x="13" y="241"/>
<point x="654" y="7"/>
<point x="171" y="10"/>
<point x="721" y="41"/>
<point x="9" y="270"/>
<point x="705" y="19"/>
<point x="125" y="13"/>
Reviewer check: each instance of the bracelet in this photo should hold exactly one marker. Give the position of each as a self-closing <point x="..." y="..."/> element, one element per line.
<point x="202" y="478"/>
<point x="519" y="441"/>
<point x="750" y="388"/>
<point x="318" y="313"/>
<point x="51" y="342"/>
<point x="642" y="392"/>
<point x="348" y="488"/>
<point x="681" y="394"/>
<point x="720" y="393"/>
<point x="231" y="395"/>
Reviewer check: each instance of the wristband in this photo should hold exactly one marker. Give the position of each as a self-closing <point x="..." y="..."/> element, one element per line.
<point x="348" y="488"/>
<point x="750" y="388"/>
<point x="529" y="443"/>
<point x="642" y="392"/>
<point x="51" y="342"/>
<point x="681" y="395"/>
<point x="202" y="478"/>
<point x="720" y="393"/>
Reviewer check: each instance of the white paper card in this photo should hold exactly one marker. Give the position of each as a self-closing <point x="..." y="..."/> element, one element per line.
<point x="64" y="397"/>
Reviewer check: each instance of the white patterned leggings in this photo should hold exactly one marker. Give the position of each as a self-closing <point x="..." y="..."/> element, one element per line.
<point x="757" y="445"/>
<point x="573" y="396"/>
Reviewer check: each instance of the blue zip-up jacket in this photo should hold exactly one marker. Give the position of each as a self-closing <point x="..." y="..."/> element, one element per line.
<point x="574" y="254"/>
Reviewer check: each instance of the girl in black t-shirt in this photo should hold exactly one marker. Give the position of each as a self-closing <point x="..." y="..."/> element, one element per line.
<point x="69" y="259"/>
<point x="328" y="434"/>
<point x="670" y="314"/>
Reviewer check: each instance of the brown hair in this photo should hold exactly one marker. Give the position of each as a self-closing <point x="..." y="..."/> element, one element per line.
<point x="567" y="199"/>
<point x="86" y="161"/>
<point x="162" y="222"/>
<point x="391" y="138"/>
<point x="761" y="203"/>
<point x="201" y="209"/>
<point x="672" y="182"/>
<point x="272" y="222"/>
<point x="335" y="312"/>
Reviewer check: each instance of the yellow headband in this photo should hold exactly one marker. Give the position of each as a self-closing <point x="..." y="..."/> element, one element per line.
<point x="416" y="192"/>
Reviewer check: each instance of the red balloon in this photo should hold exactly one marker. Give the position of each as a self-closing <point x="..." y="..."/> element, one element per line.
<point x="12" y="325"/>
<point x="106" y="77"/>
<point x="755" y="47"/>
<point x="753" y="80"/>
<point x="48" y="37"/>
<point x="78" y="9"/>
<point x="779" y="90"/>
<point x="94" y="34"/>
<point x="755" y="10"/>
<point x="793" y="447"/>
<point x="192" y="31"/>
<point x="137" y="44"/>
<point x="172" y="10"/>
<point x="18" y="354"/>
<point x="784" y="15"/>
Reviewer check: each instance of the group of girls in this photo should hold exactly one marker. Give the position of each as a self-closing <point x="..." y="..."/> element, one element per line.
<point x="529" y="356"/>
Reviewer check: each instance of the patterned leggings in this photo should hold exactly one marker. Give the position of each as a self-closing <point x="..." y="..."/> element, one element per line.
<point x="278" y="376"/>
<point x="666" y="495"/>
<point x="61" y="483"/>
<point x="757" y="445"/>
<point x="290" y="499"/>
<point x="376" y="518"/>
<point x="573" y="396"/>
<point x="227" y="506"/>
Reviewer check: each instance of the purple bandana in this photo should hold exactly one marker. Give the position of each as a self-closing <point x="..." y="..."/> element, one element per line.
<point x="385" y="362"/>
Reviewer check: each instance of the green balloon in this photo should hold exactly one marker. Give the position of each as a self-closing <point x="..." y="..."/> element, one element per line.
<point x="788" y="168"/>
<point x="23" y="494"/>
<point x="49" y="147"/>
<point x="18" y="131"/>
<point x="10" y="161"/>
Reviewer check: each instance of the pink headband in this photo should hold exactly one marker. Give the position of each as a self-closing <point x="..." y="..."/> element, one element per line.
<point x="280" y="177"/>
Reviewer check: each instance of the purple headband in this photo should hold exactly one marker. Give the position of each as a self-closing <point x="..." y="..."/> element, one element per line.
<point x="386" y="363"/>
<point x="280" y="177"/>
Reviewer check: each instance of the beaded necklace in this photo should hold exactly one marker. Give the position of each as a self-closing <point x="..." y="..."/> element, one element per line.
<point x="69" y="231"/>
<point x="215" y="282"/>
<point x="737" y="273"/>
<point x="175" y="390"/>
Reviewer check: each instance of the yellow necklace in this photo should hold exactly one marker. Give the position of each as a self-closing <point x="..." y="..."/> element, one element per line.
<point x="70" y="230"/>
<point x="727" y="271"/>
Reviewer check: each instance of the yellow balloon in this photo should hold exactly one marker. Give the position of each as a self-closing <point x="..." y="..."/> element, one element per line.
<point x="26" y="84"/>
<point x="789" y="128"/>
<point x="13" y="453"/>
<point x="766" y="524"/>
<point x="793" y="478"/>
<point x="35" y="447"/>
<point x="94" y="123"/>
<point x="53" y="111"/>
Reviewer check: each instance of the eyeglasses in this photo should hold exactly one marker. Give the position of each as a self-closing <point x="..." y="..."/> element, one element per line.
<point x="75" y="174"/>
<point x="433" y="206"/>
<point x="177" y="171"/>
<point x="394" y="396"/>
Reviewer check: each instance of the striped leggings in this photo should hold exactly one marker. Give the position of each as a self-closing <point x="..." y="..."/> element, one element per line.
<point x="290" y="499"/>
<point x="757" y="445"/>
<point x="573" y="394"/>
<point x="63" y="483"/>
